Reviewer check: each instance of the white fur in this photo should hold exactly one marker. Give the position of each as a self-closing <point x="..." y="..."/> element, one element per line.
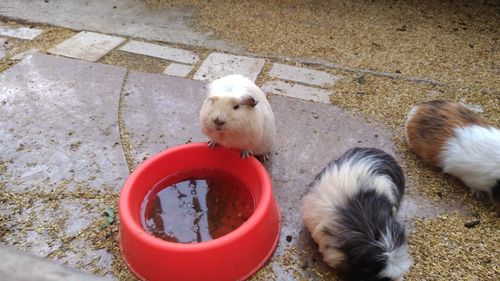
<point x="334" y="189"/>
<point x="250" y="129"/>
<point x="398" y="260"/>
<point x="235" y="86"/>
<point x="473" y="155"/>
<point x="409" y="117"/>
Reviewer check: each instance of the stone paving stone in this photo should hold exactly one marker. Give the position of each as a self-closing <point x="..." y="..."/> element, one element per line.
<point x="59" y="123"/>
<point x="20" y="32"/>
<point x="20" y="266"/>
<point x="303" y="75"/>
<point x="24" y="54"/>
<point x="162" y="52"/>
<point x="297" y="91"/>
<point x="87" y="46"/>
<point x="61" y="153"/>
<point x="160" y="112"/>
<point x="309" y="136"/>
<point x="179" y="70"/>
<point x="45" y="227"/>
<point x="217" y="65"/>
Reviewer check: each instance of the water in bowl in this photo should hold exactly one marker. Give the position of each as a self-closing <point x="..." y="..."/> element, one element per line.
<point x="196" y="206"/>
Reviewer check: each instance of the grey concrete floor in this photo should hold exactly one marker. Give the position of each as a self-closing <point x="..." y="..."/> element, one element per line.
<point x="122" y="17"/>
<point x="75" y="129"/>
<point x="19" y="266"/>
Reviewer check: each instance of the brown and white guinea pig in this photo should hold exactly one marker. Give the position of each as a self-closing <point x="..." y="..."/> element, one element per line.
<point x="236" y="114"/>
<point x="452" y="137"/>
<point x="350" y="211"/>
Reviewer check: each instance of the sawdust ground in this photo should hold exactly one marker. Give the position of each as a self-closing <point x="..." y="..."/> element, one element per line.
<point x="135" y="62"/>
<point x="451" y="41"/>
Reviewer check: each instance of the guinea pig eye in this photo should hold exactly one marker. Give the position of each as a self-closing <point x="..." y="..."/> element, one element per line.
<point x="236" y="107"/>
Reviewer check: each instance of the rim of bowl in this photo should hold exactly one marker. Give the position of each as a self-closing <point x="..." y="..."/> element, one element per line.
<point x="140" y="233"/>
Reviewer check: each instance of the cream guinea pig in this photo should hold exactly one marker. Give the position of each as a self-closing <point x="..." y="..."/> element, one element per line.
<point x="236" y="114"/>
<point x="350" y="211"/>
<point x="452" y="137"/>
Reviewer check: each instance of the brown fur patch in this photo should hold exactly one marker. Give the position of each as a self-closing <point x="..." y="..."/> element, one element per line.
<point x="433" y="124"/>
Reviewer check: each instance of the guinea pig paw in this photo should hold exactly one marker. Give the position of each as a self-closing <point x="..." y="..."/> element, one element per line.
<point x="264" y="157"/>
<point x="212" y="144"/>
<point x="476" y="194"/>
<point x="245" y="154"/>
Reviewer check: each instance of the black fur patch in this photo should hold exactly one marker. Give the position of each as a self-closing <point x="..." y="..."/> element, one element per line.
<point x="495" y="192"/>
<point x="387" y="165"/>
<point x="363" y="221"/>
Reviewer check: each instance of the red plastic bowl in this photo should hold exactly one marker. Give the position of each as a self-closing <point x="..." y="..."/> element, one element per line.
<point x="234" y="256"/>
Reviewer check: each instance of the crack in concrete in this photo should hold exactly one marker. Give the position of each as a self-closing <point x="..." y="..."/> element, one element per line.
<point x="124" y="135"/>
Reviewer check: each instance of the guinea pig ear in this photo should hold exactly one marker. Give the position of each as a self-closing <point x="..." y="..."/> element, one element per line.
<point x="212" y="99"/>
<point x="249" y="100"/>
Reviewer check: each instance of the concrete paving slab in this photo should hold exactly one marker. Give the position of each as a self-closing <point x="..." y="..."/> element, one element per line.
<point x="24" y="54"/>
<point x="217" y="65"/>
<point x="302" y="75"/>
<point x="28" y="230"/>
<point x="51" y="223"/>
<point x="297" y="91"/>
<point x="309" y="136"/>
<point x="159" y="51"/>
<point x="20" y="266"/>
<point x="61" y="154"/>
<point x="89" y="46"/>
<point x="59" y="123"/>
<point x="161" y="112"/>
<point x="152" y="99"/>
<point x="20" y="32"/>
<point x="178" y="70"/>
<point x="121" y="17"/>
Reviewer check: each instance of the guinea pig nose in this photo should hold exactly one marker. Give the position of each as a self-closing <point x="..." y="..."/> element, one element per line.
<point x="219" y="122"/>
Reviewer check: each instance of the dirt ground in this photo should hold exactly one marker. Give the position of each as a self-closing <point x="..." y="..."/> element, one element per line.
<point x="450" y="41"/>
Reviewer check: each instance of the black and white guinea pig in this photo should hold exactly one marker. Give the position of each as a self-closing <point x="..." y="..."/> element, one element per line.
<point x="350" y="211"/>
<point x="236" y="114"/>
<point x="452" y="137"/>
